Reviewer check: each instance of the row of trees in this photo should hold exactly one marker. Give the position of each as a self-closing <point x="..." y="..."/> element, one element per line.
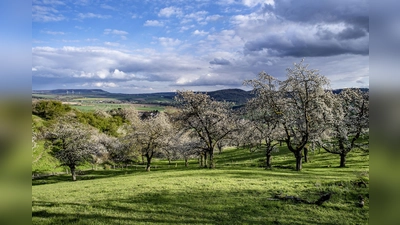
<point x="303" y="112"/>
<point x="300" y="111"/>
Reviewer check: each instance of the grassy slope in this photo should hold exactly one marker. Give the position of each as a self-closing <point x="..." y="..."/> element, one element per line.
<point x="238" y="193"/>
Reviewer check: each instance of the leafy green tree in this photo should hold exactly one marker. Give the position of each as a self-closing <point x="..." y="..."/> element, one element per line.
<point x="49" y="109"/>
<point x="103" y="121"/>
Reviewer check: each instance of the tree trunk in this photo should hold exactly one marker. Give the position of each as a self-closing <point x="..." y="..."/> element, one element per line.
<point x="73" y="173"/>
<point x="342" y="160"/>
<point x="205" y="159"/>
<point x="305" y="155"/>
<point x="186" y="162"/>
<point x="142" y="159"/>
<point x="212" y="166"/>
<point x="268" y="160"/>
<point x="148" y="165"/>
<point x="298" y="155"/>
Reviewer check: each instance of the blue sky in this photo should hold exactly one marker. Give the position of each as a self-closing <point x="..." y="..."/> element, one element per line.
<point x="166" y="45"/>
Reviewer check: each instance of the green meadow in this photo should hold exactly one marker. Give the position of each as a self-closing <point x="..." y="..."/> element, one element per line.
<point x="238" y="191"/>
<point x="87" y="107"/>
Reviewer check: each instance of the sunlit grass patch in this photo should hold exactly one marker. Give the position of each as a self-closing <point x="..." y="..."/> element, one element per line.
<point x="229" y="194"/>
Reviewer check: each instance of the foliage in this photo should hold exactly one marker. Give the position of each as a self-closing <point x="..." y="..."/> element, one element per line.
<point x="49" y="109"/>
<point x="101" y="120"/>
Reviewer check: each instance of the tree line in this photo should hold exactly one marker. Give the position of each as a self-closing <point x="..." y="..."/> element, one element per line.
<point x="300" y="111"/>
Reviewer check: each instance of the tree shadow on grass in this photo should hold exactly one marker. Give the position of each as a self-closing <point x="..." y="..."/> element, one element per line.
<point x="84" y="175"/>
<point x="193" y="207"/>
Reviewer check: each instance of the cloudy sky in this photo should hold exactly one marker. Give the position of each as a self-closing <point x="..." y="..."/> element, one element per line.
<point x="140" y="46"/>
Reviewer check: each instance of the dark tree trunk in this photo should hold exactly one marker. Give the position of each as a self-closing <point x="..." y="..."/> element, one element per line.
<point x="142" y="159"/>
<point x="298" y="156"/>
<point x="148" y="165"/>
<point x="342" y="160"/>
<point x="201" y="163"/>
<point x="73" y="173"/>
<point x="169" y="161"/>
<point x="212" y="165"/>
<point x="186" y="162"/>
<point x="268" y="160"/>
<point x="305" y="155"/>
<point x="205" y="159"/>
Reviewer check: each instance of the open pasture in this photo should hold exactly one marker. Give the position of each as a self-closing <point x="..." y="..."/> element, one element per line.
<point x="108" y="106"/>
<point x="238" y="191"/>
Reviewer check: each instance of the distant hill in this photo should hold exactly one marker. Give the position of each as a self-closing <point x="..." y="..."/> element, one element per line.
<point x="337" y="91"/>
<point x="237" y="96"/>
<point x="71" y="91"/>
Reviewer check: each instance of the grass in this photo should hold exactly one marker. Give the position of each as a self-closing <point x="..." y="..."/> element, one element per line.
<point x="48" y="96"/>
<point x="233" y="193"/>
<point x="109" y="106"/>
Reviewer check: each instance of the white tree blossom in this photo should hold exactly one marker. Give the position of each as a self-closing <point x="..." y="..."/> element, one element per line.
<point x="263" y="115"/>
<point x="349" y="127"/>
<point x="150" y="135"/>
<point x="210" y="120"/>
<point x="72" y="144"/>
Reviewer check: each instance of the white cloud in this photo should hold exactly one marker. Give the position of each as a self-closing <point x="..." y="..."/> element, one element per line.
<point x="252" y="3"/>
<point x="105" y="6"/>
<point x="169" y="42"/>
<point x="198" y="16"/>
<point x="119" y="74"/>
<point x="51" y="2"/>
<point x="169" y="11"/>
<point x="201" y="33"/>
<point x="105" y="85"/>
<point x="113" y="44"/>
<point x="53" y="32"/>
<point x="153" y="23"/>
<point x="116" y="32"/>
<point x="213" y="17"/>
<point x="93" y="15"/>
<point x="46" y="14"/>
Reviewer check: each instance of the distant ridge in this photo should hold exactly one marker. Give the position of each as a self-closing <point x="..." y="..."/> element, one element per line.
<point x="70" y="91"/>
<point x="237" y="96"/>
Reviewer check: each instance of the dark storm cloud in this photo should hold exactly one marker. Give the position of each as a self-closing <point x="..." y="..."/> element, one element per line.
<point x="220" y="61"/>
<point x="351" y="33"/>
<point x="298" y="47"/>
<point x="352" y="12"/>
<point x="316" y="28"/>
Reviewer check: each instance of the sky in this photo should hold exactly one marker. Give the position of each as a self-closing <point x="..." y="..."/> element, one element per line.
<point x="145" y="46"/>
